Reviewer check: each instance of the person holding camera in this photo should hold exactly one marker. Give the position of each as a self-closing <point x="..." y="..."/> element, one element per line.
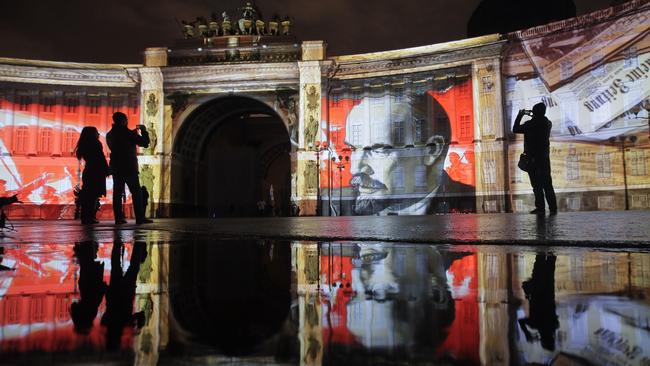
<point x="123" y="143"/>
<point x="537" y="132"/>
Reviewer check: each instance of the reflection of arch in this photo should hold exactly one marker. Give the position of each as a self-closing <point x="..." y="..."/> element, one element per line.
<point x="227" y="149"/>
<point x="236" y="297"/>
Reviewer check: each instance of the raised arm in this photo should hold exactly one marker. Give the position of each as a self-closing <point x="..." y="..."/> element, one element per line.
<point x="141" y="139"/>
<point x="517" y="127"/>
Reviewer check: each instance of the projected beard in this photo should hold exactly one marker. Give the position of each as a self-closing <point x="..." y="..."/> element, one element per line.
<point x="379" y="174"/>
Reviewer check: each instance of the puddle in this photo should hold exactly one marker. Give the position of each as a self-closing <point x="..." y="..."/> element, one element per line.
<point x="283" y="302"/>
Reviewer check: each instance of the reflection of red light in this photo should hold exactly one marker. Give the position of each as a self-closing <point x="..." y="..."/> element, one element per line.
<point x="462" y="341"/>
<point x="37" y="297"/>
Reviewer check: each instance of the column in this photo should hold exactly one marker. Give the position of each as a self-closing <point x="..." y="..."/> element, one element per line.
<point x="309" y="124"/>
<point x="9" y="107"/>
<point x="33" y="123"/>
<point x="59" y="130"/>
<point x="152" y="175"/>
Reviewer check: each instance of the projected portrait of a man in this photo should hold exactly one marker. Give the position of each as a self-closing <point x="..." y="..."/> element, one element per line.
<point x="411" y="145"/>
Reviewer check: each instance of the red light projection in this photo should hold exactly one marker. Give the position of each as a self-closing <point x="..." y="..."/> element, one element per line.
<point x="37" y="141"/>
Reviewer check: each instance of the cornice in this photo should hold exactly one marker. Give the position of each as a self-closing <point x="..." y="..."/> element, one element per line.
<point x="87" y="76"/>
<point x="412" y="62"/>
<point x="598" y="16"/>
<point x="225" y="76"/>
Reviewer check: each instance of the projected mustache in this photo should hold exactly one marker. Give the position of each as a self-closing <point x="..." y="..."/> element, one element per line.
<point x="363" y="180"/>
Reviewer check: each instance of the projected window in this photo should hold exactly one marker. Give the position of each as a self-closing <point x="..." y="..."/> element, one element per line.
<point x="116" y="105"/>
<point x="398" y="95"/>
<point x="336" y="100"/>
<point x="420" y="131"/>
<point x="489" y="171"/>
<point x="573" y="203"/>
<point x="356" y="134"/>
<point x="47" y="105"/>
<point x="45" y="141"/>
<point x="606" y="202"/>
<point x="465" y="126"/>
<point x="37" y="305"/>
<point x="24" y="101"/>
<point x="377" y="96"/>
<point x="62" y="307"/>
<point x="603" y="165"/>
<point x="22" y="138"/>
<point x="134" y="105"/>
<point x="93" y="105"/>
<point x="637" y="162"/>
<point x="398" y="178"/>
<point x="71" y="105"/>
<point x="69" y="141"/>
<point x="12" y="309"/>
<point x="639" y="201"/>
<point x="398" y="132"/>
<point x="572" y="167"/>
<point x="420" y="177"/>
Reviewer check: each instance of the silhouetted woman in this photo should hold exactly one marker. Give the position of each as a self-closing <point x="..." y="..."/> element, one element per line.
<point x="91" y="287"/>
<point x="89" y="148"/>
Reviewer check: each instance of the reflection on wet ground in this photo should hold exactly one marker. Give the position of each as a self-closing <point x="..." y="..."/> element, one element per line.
<point x="144" y="301"/>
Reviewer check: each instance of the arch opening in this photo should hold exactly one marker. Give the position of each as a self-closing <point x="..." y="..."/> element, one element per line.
<point x="230" y="154"/>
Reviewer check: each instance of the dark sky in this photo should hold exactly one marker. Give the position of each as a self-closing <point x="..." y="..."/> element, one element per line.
<point x="117" y="31"/>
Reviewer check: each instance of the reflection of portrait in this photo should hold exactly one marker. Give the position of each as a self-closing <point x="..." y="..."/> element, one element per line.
<point x="388" y="279"/>
<point x="411" y="180"/>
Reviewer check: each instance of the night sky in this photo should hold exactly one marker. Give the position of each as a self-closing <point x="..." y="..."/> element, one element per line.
<point x="118" y="31"/>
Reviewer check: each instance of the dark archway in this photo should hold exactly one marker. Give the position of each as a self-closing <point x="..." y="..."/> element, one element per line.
<point x="230" y="153"/>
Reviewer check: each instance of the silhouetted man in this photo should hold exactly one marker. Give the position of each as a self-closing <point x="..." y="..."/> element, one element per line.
<point x="536" y="132"/>
<point x="124" y="165"/>
<point x="120" y="294"/>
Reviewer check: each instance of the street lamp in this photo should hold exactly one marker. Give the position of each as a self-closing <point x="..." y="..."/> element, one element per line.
<point x="317" y="148"/>
<point x="339" y="163"/>
<point x="623" y="139"/>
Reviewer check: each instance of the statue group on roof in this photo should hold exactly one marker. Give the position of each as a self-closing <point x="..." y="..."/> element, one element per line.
<point x="250" y="23"/>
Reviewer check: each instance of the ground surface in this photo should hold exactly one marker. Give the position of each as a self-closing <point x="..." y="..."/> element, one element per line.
<point x="598" y="229"/>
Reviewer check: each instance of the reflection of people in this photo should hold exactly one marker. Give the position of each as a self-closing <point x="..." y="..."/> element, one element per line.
<point x="121" y="294"/>
<point x="536" y="133"/>
<point x="124" y="165"/>
<point x="381" y="173"/>
<point x="540" y="292"/>
<point x="91" y="286"/>
<point x="89" y="148"/>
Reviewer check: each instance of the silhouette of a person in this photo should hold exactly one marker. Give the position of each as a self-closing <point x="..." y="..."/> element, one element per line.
<point x="89" y="148"/>
<point x="536" y="133"/>
<point x="121" y="294"/>
<point x="91" y="287"/>
<point x="124" y="165"/>
<point x="540" y="292"/>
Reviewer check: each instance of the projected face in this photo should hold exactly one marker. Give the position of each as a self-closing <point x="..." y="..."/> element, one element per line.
<point x="381" y="174"/>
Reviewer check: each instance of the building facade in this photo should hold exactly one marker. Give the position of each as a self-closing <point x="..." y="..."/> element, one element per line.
<point x="261" y="124"/>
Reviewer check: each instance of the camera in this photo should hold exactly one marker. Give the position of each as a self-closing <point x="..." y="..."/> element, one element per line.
<point x="141" y="127"/>
<point x="527" y="112"/>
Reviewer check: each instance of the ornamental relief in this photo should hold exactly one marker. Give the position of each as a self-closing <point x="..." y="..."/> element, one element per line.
<point x="312" y="112"/>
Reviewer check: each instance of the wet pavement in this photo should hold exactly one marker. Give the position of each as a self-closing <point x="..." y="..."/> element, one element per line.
<point x="187" y="292"/>
<point x="596" y="228"/>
